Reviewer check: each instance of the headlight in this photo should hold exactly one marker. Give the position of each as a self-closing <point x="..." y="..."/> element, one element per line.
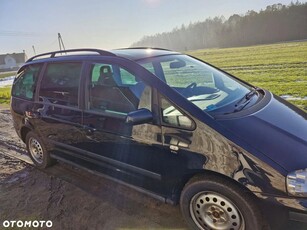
<point x="297" y="183"/>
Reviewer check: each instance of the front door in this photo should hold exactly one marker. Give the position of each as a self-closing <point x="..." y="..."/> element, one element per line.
<point x="123" y="151"/>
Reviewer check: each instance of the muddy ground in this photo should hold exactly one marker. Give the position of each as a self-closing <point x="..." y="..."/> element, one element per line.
<point x="72" y="198"/>
<point x="69" y="197"/>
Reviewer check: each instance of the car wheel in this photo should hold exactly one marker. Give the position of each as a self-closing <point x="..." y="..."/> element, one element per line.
<point x="212" y="202"/>
<point x="37" y="151"/>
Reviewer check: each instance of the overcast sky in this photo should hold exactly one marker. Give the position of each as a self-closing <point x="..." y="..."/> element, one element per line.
<point x="104" y="24"/>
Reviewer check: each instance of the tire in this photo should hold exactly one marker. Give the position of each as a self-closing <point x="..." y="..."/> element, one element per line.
<point x="212" y="202"/>
<point x="38" y="151"/>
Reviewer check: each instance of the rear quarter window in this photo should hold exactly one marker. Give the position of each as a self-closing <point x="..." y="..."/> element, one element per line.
<point x="25" y="82"/>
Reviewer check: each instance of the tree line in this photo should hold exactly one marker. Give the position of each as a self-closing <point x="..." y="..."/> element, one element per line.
<point x="277" y="23"/>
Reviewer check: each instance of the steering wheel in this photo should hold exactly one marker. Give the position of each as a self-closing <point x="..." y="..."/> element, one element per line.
<point x="191" y="86"/>
<point x="187" y="91"/>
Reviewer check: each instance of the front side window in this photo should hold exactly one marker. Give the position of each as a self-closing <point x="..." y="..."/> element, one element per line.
<point x="203" y="85"/>
<point x="25" y="83"/>
<point x="114" y="89"/>
<point x="60" y="83"/>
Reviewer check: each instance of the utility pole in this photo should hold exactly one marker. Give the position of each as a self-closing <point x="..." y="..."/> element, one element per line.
<point x="34" y="50"/>
<point x="61" y="43"/>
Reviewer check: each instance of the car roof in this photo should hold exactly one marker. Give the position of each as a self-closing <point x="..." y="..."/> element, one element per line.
<point x="140" y="53"/>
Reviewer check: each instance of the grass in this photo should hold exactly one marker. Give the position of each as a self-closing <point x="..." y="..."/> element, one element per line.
<point x="280" y="68"/>
<point x="5" y="94"/>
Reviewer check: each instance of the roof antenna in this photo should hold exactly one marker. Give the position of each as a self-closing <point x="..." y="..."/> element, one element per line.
<point x="61" y="43"/>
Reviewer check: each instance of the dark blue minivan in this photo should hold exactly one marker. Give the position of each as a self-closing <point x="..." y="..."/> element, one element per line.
<point x="169" y="125"/>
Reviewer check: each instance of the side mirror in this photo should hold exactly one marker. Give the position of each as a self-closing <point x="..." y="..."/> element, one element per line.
<point x="139" y="116"/>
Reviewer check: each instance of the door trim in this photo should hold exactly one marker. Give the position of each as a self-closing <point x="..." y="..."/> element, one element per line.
<point x="89" y="156"/>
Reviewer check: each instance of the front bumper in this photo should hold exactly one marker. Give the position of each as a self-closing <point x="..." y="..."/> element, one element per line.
<point x="299" y="204"/>
<point x="298" y="216"/>
<point x="295" y="206"/>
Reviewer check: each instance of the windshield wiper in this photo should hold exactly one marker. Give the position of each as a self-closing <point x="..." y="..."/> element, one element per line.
<point x="246" y="99"/>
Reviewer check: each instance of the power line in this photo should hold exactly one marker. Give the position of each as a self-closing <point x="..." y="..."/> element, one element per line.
<point x="11" y="33"/>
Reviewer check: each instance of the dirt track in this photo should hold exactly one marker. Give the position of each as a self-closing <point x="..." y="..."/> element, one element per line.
<point x="72" y="198"/>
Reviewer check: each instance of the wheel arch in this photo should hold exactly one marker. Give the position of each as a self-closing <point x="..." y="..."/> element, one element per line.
<point x="205" y="172"/>
<point x="217" y="174"/>
<point x="23" y="133"/>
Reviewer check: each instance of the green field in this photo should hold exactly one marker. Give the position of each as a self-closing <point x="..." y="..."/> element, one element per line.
<point x="280" y="68"/>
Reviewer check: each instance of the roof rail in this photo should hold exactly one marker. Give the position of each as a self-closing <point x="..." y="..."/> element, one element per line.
<point x="52" y="54"/>
<point x="147" y="47"/>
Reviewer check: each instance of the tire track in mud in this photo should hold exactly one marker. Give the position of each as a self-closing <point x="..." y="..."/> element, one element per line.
<point x="14" y="151"/>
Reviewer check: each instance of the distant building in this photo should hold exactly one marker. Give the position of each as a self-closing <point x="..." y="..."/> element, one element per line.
<point x="10" y="62"/>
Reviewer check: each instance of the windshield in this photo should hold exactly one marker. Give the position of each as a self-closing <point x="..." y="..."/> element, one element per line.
<point x="203" y="85"/>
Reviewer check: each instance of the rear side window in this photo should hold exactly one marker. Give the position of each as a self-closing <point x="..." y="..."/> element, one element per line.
<point x="25" y="83"/>
<point x="60" y="83"/>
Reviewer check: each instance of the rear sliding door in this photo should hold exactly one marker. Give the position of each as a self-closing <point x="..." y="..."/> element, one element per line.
<point x="57" y="110"/>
